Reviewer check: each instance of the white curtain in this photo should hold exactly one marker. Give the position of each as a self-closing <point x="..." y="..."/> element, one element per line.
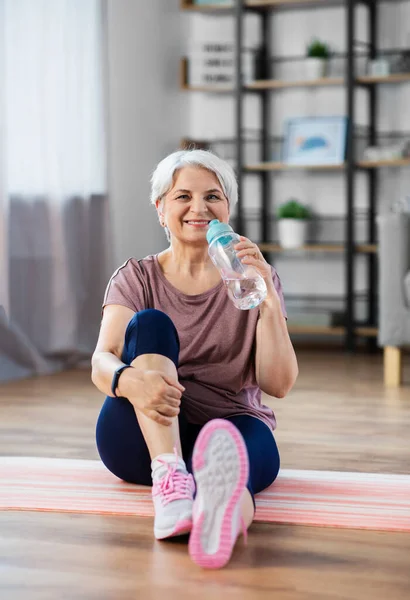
<point x="53" y="204"/>
<point x="4" y="299"/>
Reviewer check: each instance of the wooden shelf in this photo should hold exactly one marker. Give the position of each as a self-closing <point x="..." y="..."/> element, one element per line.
<point x="291" y="3"/>
<point x="209" y="89"/>
<point x="278" y="166"/>
<point x="315" y="330"/>
<point x="335" y="248"/>
<point x="394" y="78"/>
<point x="188" y="5"/>
<point x="363" y="164"/>
<point x="333" y="331"/>
<point x="367" y="248"/>
<point x="266" y="84"/>
<point x="367" y="331"/>
<point x="275" y="84"/>
<point x="376" y="164"/>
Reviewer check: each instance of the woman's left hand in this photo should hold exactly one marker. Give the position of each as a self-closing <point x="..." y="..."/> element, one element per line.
<point x="250" y="254"/>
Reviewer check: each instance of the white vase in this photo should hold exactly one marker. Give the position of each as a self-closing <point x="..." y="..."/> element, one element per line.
<point x="315" y="68"/>
<point x="292" y="232"/>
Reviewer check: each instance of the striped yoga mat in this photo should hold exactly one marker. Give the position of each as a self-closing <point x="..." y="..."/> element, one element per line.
<point x="353" y="500"/>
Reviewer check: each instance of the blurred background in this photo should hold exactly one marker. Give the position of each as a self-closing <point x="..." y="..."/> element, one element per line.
<point x="307" y="100"/>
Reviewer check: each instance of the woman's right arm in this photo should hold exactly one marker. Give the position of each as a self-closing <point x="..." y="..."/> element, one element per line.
<point x="107" y="354"/>
<point x="152" y="392"/>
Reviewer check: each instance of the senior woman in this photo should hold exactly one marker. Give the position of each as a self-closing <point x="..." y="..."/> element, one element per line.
<point x="183" y="368"/>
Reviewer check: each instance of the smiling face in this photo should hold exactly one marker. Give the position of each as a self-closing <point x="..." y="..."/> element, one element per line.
<point x="195" y="199"/>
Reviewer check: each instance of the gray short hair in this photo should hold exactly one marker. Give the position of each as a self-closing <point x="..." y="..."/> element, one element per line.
<point x="162" y="177"/>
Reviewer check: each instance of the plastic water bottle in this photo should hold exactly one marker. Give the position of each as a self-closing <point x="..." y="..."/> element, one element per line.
<point x="246" y="288"/>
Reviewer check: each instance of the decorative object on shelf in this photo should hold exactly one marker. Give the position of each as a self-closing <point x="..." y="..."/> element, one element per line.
<point x="379" y="67"/>
<point x="401" y="206"/>
<point x="315" y="140"/>
<point x="188" y="144"/>
<point x="394" y="152"/>
<point x="213" y="63"/>
<point x="318" y="54"/>
<point x="293" y="220"/>
<point x="401" y="64"/>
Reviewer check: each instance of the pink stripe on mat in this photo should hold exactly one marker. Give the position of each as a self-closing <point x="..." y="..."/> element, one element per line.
<point x="327" y="498"/>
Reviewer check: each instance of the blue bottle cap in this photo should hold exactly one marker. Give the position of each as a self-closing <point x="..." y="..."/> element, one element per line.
<point x="216" y="229"/>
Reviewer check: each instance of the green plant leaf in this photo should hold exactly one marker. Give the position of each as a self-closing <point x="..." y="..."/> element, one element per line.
<point x="293" y="210"/>
<point x="318" y="49"/>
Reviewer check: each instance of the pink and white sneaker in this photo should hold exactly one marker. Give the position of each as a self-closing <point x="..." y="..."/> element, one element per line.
<point x="221" y="470"/>
<point x="172" y="493"/>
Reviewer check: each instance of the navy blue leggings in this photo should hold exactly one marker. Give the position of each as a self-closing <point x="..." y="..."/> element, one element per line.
<point x="120" y="442"/>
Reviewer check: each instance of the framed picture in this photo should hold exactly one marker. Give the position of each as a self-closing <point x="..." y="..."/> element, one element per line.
<point x="315" y="141"/>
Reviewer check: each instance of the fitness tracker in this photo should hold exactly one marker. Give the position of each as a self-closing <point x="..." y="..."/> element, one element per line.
<point x="116" y="377"/>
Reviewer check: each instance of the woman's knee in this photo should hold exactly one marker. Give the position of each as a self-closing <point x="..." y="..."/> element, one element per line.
<point x="264" y="462"/>
<point x="264" y="459"/>
<point x="151" y="331"/>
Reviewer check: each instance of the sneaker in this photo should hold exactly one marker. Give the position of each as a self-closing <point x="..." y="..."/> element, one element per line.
<point x="221" y="470"/>
<point x="172" y="494"/>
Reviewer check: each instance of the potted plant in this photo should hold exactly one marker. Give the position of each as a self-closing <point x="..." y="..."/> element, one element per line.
<point x="293" y="220"/>
<point x="318" y="54"/>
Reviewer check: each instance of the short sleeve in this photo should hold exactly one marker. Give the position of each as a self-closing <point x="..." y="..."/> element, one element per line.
<point x="126" y="287"/>
<point x="278" y="287"/>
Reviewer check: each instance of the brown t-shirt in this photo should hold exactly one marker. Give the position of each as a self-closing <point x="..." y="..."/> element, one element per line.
<point x="217" y="340"/>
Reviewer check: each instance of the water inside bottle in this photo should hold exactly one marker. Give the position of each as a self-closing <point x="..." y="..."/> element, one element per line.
<point x="246" y="293"/>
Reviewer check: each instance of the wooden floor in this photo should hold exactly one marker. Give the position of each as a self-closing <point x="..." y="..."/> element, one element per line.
<point x="338" y="416"/>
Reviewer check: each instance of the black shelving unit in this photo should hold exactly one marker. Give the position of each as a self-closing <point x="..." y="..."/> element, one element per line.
<point x="264" y="170"/>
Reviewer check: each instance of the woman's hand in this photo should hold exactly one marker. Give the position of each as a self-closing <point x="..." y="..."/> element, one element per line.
<point x="155" y="394"/>
<point x="250" y="254"/>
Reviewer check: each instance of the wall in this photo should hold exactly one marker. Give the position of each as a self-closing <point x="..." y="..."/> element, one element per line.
<point x="146" y="112"/>
<point x="213" y="116"/>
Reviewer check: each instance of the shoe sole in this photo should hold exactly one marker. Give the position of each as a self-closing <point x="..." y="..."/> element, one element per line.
<point x="181" y="528"/>
<point x="221" y="469"/>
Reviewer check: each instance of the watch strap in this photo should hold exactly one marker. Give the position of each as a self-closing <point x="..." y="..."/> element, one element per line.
<point x="116" y="377"/>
